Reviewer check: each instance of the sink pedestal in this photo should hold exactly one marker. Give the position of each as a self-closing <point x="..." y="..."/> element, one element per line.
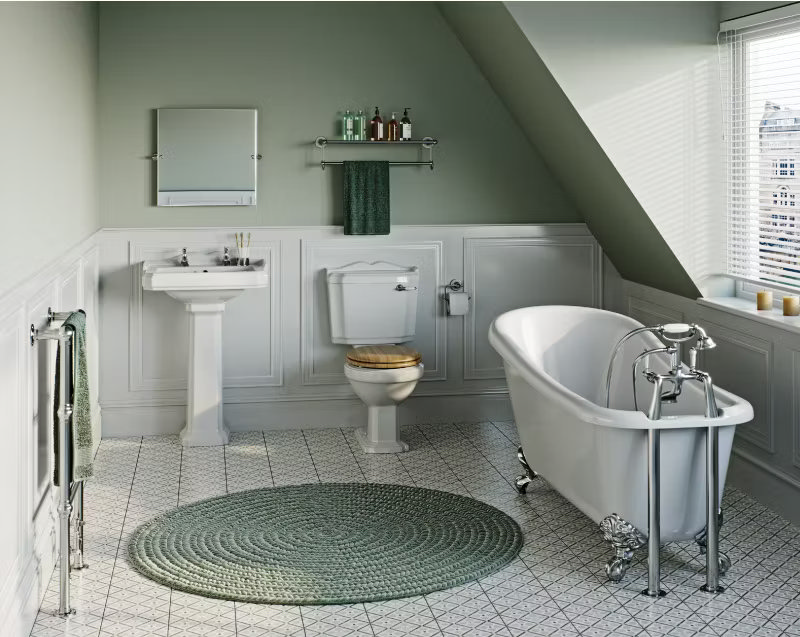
<point x="204" y="423"/>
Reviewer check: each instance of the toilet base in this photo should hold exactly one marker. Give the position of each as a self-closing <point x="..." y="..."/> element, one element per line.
<point x="382" y="434"/>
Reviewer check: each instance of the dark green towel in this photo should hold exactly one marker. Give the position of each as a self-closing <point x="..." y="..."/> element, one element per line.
<point x="366" y="197"/>
<point x="81" y="408"/>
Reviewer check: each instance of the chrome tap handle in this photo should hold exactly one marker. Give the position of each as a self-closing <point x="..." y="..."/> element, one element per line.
<point x="226" y="258"/>
<point x="184" y="259"/>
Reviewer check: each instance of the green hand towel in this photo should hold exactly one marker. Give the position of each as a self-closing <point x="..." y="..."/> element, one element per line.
<point x="81" y="432"/>
<point x="366" y="197"/>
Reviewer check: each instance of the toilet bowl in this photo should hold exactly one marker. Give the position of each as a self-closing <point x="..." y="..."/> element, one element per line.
<point x="382" y="388"/>
<point x="373" y="308"/>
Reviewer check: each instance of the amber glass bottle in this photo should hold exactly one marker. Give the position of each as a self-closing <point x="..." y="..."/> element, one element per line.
<point x="376" y="127"/>
<point x="393" y="129"/>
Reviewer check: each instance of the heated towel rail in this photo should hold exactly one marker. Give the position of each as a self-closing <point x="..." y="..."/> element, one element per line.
<point x="70" y="497"/>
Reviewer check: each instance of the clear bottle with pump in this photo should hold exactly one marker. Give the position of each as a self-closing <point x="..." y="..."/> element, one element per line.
<point x="347" y="125"/>
<point x="393" y="129"/>
<point x="405" y="125"/>
<point x="376" y="127"/>
<point x="359" y="126"/>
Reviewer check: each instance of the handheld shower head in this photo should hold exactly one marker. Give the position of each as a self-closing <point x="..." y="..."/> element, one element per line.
<point x="704" y="341"/>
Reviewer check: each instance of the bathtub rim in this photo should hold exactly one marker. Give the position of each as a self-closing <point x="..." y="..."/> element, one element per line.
<point x="737" y="411"/>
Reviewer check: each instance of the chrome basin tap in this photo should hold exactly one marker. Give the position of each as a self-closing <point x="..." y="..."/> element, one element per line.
<point x="184" y="259"/>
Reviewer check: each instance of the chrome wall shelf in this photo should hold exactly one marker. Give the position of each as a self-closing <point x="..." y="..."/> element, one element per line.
<point x="426" y="142"/>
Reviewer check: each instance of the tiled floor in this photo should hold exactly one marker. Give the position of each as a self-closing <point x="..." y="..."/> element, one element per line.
<point x="556" y="587"/>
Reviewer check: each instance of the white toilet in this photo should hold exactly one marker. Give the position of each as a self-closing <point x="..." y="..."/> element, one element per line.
<point x="373" y="307"/>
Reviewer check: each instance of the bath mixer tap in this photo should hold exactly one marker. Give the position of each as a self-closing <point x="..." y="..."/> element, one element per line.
<point x="184" y="259"/>
<point x="668" y="385"/>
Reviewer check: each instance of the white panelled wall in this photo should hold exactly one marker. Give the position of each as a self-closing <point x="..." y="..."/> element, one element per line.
<point x="28" y="541"/>
<point x="280" y="368"/>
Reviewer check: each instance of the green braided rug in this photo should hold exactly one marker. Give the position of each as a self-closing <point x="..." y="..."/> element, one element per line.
<point x="325" y="544"/>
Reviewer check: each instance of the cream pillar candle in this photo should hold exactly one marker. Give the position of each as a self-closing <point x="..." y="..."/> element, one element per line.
<point x="791" y="306"/>
<point x="764" y="300"/>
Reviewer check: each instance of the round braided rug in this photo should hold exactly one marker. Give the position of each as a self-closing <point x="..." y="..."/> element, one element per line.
<point x="325" y="544"/>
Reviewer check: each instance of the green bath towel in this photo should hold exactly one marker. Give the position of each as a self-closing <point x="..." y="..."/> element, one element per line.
<point x="366" y="197"/>
<point x="81" y="433"/>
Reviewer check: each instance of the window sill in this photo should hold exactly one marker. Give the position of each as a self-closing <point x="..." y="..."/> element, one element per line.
<point x="746" y="309"/>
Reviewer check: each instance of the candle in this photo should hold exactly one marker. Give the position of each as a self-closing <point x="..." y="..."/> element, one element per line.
<point x="791" y="306"/>
<point x="764" y="301"/>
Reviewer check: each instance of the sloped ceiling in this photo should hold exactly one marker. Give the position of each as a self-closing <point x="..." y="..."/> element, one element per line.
<point x="548" y="118"/>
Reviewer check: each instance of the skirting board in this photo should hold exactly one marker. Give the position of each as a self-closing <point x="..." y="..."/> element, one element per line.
<point x="779" y="493"/>
<point x="153" y="420"/>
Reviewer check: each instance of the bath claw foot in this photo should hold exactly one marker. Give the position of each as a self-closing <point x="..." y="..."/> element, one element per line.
<point x="700" y="539"/>
<point x="616" y="568"/>
<point x="522" y="481"/>
<point x="625" y="539"/>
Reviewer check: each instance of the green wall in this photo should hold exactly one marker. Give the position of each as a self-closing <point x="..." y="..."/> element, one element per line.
<point x="300" y="63"/>
<point x="48" y="163"/>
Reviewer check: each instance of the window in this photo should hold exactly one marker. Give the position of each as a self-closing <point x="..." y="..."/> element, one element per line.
<point x="761" y="82"/>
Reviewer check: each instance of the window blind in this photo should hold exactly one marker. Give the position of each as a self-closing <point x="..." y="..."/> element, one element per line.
<point x="760" y="67"/>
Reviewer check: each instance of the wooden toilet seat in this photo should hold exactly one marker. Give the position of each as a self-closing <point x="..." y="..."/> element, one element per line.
<point x="383" y="356"/>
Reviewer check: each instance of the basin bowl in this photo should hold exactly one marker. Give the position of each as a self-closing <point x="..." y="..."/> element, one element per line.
<point x="204" y="283"/>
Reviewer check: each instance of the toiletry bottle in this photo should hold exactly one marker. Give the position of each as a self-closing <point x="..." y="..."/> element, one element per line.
<point x="347" y="125"/>
<point x="405" y="125"/>
<point x="392" y="129"/>
<point x="359" y="126"/>
<point x="376" y="127"/>
<point x="362" y="122"/>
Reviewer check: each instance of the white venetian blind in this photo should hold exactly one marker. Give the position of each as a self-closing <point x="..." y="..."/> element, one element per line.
<point x="761" y="87"/>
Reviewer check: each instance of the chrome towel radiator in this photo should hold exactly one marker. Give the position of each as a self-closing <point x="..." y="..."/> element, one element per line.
<point x="70" y="496"/>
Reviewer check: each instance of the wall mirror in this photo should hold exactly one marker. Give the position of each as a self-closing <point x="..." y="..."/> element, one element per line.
<point x="206" y="156"/>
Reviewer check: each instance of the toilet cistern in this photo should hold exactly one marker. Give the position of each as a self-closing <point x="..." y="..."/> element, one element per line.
<point x="373" y="308"/>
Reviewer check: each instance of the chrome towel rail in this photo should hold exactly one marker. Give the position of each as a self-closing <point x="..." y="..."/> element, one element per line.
<point x="427" y="142"/>
<point x="69" y="492"/>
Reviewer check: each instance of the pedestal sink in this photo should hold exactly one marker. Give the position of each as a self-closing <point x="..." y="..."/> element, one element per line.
<point x="204" y="290"/>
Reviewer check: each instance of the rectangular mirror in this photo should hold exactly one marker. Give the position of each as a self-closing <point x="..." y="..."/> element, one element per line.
<point x="206" y="156"/>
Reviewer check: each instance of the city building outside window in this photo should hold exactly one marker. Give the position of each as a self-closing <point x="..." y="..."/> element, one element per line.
<point x="761" y="83"/>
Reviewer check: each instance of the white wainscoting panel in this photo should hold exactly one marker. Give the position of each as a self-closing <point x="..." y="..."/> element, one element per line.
<point x="648" y="313"/>
<point x="280" y="368"/>
<point x="795" y="408"/>
<point x="742" y="364"/>
<point x="504" y="273"/>
<point x="14" y="466"/>
<point x="28" y="537"/>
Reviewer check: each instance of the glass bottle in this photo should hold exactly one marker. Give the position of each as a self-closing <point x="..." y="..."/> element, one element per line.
<point x="347" y="125"/>
<point x="392" y="129"/>
<point x="376" y="127"/>
<point x="360" y="126"/>
<point x="405" y="125"/>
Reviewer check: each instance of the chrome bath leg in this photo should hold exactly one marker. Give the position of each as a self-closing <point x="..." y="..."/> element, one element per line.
<point x="712" y="512"/>
<point x="654" y="513"/>
<point x="522" y="481"/>
<point x="625" y="539"/>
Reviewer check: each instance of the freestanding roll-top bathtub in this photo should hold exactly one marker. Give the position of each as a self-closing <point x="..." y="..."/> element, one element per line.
<point x="556" y="359"/>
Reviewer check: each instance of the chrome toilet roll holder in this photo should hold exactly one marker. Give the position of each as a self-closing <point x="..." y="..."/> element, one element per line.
<point x="454" y="286"/>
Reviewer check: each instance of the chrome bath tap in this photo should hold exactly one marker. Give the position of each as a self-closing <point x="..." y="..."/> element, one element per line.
<point x="184" y="259"/>
<point x="674" y="335"/>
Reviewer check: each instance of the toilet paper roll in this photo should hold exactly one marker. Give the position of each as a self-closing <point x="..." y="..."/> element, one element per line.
<point x="457" y="303"/>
